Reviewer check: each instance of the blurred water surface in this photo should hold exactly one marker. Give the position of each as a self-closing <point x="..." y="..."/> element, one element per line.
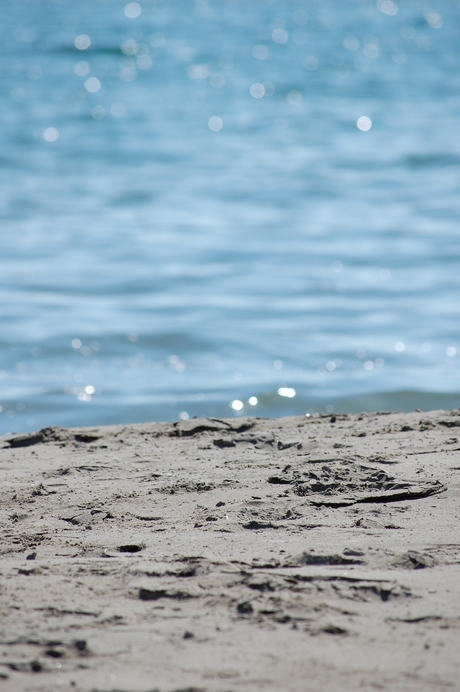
<point x="206" y="202"/>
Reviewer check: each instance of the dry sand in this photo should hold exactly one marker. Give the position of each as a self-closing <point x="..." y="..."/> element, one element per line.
<point x="300" y="554"/>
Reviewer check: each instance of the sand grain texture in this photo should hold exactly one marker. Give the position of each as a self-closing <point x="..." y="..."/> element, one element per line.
<point x="317" y="553"/>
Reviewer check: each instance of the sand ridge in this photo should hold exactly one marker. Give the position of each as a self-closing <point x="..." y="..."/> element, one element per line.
<point x="246" y="554"/>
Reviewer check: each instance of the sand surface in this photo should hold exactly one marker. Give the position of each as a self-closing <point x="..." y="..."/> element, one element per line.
<point x="318" y="553"/>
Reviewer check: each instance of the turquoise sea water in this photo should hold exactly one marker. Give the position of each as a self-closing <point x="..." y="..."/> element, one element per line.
<point x="191" y="216"/>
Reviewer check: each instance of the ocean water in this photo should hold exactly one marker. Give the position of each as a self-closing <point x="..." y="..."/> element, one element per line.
<point x="227" y="208"/>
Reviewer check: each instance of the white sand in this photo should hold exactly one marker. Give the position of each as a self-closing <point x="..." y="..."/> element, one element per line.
<point x="299" y="554"/>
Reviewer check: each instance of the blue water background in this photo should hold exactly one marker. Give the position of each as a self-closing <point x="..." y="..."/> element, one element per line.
<point x="191" y="267"/>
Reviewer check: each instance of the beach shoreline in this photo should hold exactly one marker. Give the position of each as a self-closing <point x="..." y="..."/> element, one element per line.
<point x="305" y="553"/>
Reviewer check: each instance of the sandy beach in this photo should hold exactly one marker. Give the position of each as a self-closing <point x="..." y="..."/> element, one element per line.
<point x="306" y="553"/>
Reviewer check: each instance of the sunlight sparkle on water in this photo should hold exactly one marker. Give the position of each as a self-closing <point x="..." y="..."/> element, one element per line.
<point x="407" y="31"/>
<point x="294" y="97"/>
<point x="260" y="52"/>
<point x="217" y="80"/>
<point x="225" y="62"/>
<point x="187" y="54"/>
<point x="279" y="36"/>
<point x="98" y="112"/>
<point x="351" y="43"/>
<point x="156" y="40"/>
<point x="257" y="90"/>
<point x="133" y="10"/>
<point x="117" y="109"/>
<point x="371" y="47"/>
<point x="92" y="85"/>
<point x="129" y="47"/>
<point x="51" y="134"/>
<point x="236" y="405"/>
<point x="286" y="391"/>
<point x="144" y="62"/>
<point x="82" y="42"/>
<point x="387" y="7"/>
<point x="253" y="400"/>
<point x="199" y="71"/>
<point x="364" y="123"/>
<point x="215" y="123"/>
<point x="81" y="68"/>
<point x="300" y="17"/>
<point x="311" y="63"/>
<point x="434" y="19"/>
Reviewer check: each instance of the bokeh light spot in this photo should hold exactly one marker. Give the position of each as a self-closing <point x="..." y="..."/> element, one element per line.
<point x="98" y="112"/>
<point x="225" y="62"/>
<point x="294" y="97"/>
<point x="129" y="47"/>
<point x="81" y="69"/>
<point x="51" y="134"/>
<point x="351" y="43"/>
<point x="92" y="85"/>
<point x="311" y="63"/>
<point x="388" y="7"/>
<point x="217" y="80"/>
<point x="364" y="123"/>
<point x="144" y="62"/>
<point x="279" y="36"/>
<point x="287" y="392"/>
<point x="117" y="109"/>
<point x="257" y="90"/>
<point x="300" y="17"/>
<point x="260" y="52"/>
<point x="215" y="123"/>
<point x="133" y="10"/>
<point x="434" y="19"/>
<point x="156" y="40"/>
<point x="82" y="42"/>
<point x="199" y="71"/>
